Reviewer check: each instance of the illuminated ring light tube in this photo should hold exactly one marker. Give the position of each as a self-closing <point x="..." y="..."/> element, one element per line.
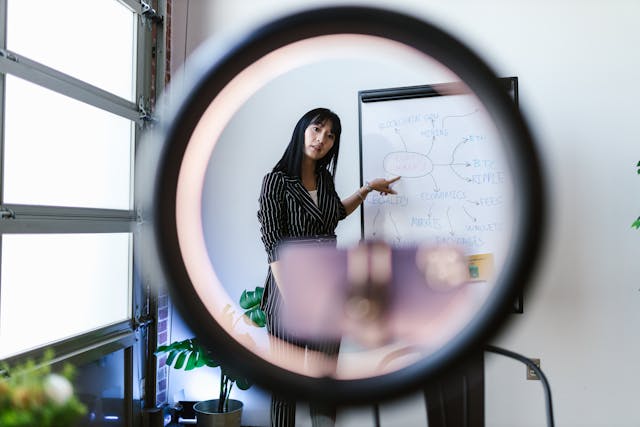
<point x="172" y="164"/>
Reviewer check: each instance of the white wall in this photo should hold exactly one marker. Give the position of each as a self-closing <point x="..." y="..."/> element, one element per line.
<point x="577" y="63"/>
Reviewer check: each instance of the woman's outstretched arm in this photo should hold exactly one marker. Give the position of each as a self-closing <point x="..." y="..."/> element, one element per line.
<point x="379" y="184"/>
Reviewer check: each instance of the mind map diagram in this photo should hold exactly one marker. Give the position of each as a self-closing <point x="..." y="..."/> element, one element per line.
<point x="454" y="185"/>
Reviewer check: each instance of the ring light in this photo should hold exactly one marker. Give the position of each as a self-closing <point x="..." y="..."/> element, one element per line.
<point x="174" y="159"/>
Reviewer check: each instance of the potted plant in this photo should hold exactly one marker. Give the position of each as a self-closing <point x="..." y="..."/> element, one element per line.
<point x="190" y="354"/>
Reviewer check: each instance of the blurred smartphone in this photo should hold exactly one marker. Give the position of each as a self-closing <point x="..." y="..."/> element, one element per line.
<point x="415" y="305"/>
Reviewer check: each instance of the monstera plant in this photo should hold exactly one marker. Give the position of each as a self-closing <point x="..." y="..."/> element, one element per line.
<point x="190" y="354"/>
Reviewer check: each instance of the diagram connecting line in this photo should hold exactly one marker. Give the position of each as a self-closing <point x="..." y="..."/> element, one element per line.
<point x="449" y="221"/>
<point x="435" y="184"/>
<point x="433" y="136"/>
<point x="457" y="116"/>
<point x="469" y="215"/>
<point x="404" y="144"/>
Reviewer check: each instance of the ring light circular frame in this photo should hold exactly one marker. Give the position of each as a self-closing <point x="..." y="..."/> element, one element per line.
<point x="166" y="211"/>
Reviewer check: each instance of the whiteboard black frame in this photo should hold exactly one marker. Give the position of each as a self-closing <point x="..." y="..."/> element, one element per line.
<point x="510" y="84"/>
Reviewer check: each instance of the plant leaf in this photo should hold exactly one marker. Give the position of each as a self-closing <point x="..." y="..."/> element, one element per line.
<point x="211" y="363"/>
<point x="243" y="383"/>
<point x="172" y="356"/>
<point x="162" y="349"/>
<point x="191" y="361"/>
<point x="234" y="377"/>
<point x="200" y="362"/>
<point x="251" y="299"/>
<point x="180" y="360"/>
<point x="636" y="223"/>
<point x="257" y="316"/>
<point x="209" y="359"/>
<point x="191" y="354"/>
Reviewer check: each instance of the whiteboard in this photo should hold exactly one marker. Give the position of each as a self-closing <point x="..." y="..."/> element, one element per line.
<point x="456" y="187"/>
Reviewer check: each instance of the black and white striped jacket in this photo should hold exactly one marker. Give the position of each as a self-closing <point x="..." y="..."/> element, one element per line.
<point x="286" y="211"/>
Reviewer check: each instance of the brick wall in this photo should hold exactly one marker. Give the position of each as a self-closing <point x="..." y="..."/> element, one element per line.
<point x="164" y="324"/>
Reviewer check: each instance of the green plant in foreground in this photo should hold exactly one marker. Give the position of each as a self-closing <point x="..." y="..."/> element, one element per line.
<point x="31" y="395"/>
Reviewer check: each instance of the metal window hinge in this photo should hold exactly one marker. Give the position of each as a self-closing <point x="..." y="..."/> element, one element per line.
<point x="9" y="55"/>
<point x="150" y="13"/>
<point x="143" y="321"/>
<point x="6" y="213"/>
<point x="145" y="115"/>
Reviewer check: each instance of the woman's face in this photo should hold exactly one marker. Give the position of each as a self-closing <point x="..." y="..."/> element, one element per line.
<point x="318" y="140"/>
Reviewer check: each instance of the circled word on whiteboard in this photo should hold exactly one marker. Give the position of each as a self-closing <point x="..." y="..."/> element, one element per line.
<point x="407" y="164"/>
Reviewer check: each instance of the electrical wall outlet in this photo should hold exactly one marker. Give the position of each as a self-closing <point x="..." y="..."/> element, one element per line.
<point x="531" y="375"/>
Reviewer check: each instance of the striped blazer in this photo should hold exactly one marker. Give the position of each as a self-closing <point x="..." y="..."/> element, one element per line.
<point x="287" y="211"/>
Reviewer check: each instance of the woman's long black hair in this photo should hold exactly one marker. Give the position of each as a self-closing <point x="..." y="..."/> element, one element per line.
<point x="292" y="157"/>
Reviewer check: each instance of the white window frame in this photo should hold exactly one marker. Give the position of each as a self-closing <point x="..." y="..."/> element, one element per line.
<point x="23" y="219"/>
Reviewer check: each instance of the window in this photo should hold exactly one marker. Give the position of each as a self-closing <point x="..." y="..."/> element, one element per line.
<point x="77" y="155"/>
<point x="74" y="92"/>
<point x="81" y="283"/>
<point x="93" y="43"/>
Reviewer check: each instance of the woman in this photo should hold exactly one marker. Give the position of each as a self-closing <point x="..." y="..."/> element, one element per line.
<point x="298" y="200"/>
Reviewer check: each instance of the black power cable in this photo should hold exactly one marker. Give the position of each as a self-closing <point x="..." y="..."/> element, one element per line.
<point x="534" y="368"/>
<point x="507" y="353"/>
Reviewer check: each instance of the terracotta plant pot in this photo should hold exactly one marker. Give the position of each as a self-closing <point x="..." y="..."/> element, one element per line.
<point x="207" y="414"/>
